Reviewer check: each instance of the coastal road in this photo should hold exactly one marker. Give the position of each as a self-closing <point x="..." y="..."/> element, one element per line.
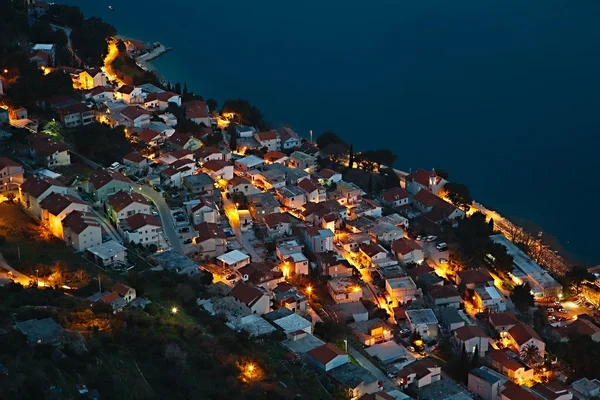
<point x="164" y="212"/>
<point x="234" y="219"/>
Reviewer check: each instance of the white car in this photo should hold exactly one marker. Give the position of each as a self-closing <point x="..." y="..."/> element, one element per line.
<point x="431" y="238"/>
<point x="443" y="261"/>
<point x="441" y="246"/>
<point x="114" y="166"/>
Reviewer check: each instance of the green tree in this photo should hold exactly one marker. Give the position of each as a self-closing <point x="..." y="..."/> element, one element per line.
<point x="491" y="225"/>
<point x="329" y="331"/>
<point x="459" y="195"/>
<point x="327" y="138"/>
<point x="522" y="297"/>
<point x="442" y="173"/>
<point x="232" y="137"/>
<point x="52" y="129"/>
<point x="245" y="113"/>
<point x="212" y="105"/>
<point x="502" y="261"/>
<point x="531" y="355"/>
<point x="475" y="358"/>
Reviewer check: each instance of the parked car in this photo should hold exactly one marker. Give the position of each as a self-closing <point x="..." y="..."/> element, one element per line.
<point x="431" y="238"/>
<point x="550" y="310"/>
<point x="419" y="238"/>
<point x="114" y="166"/>
<point x="443" y="246"/>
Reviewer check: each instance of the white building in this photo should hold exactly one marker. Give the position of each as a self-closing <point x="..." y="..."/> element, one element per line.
<point x="401" y="290"/>
<point x="234" y="259"/>
<point x="424" y="322"/>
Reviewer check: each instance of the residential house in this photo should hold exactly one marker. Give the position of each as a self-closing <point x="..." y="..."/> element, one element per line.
<point x="234" y="259"/>
<point x="129" y="94"/>
<point x="199" y="184"/>
<point x="49" y="153"/>
<point x="289" y="322"/>
<point x="55" y="207"/>
<point x="580" y="326"/>
<point x="344" y="290"/>
<point x="372" y="253"/>
<point x="122" y="205"/>
<point x="329" y="176"/>
<point x="275" y="157"/>
<point x="332" y="264"/>
<point x="328" y="357"/>
<point x="142" y="229"/>
<point x="268" y="139"/>
<point x="17" y="113"/>
<point x="126" y="292"/>
<point x="108" y="254"/>
<point x="385" y="233"/>
<point x="151" y="137"/>
<point x="136" y="160"/>
<point x="35" y="189"/>
<point x="197" y="111"/>
<point x="586" y="389"/>
<point x="423" y="322"/>
<point x="218" y="170"/>
<point x="485" y="383"/>
<point x="437" y="208"/>
<point x="353" y="241"/>
<point x="372" y="331"/>
<point x="291" y="197"/>
<point x="135" y="117"/>
<point x="257" y="301"/>
<point x="355" y="380"/>
<point x="288" y="139"/>
<point x="401" y="290"/>
<point x="173" y="175"/>
<point x="100" y="94"/>
<point x="301" y="160"/>
<point x="262" y="275"/>
<point x="185" y="141"/>
<point x="514" y="368"/>
<point x="211" y="240"/>
<point x="451" y="318"/>
<point x="208" y="153"/>
<point x="204" y="210"/>
<point x="242" y="185"/>
<point x="159" y="126"/>
<point x="422" y="179"/>
<point x="522" y="335"/>
<point x="472" y="278"/>
<point x="278" y="225"/>
<point x="81" y="230"/>
<point x="420" y="373"/>
<point x="472" y="337"/>
<point x="76" y="115"/>
<point x="444" y="296"/>
<point x="41" y="331"/>
<point x="315" y="193"/>
<point x="248" y="163"/>
<point x="112" y="299"/>
<point x="11" y="174"/>
<point x="244" y="132"/>
<point x="289" y="297"/>
<point x="351" y="312"/>
<point x="318" y="240"/>
<point x="160" y="101"/>
<point x="293" y="259"/>
<point x="91" y="78"/>
<point x="554" y="390"/>
<point x="512" y="391"/>
<point x="262" y="204"/>
<point x="503" y="321"/>
<point x="396" y="197"/>
<point x="105" y="182"/>
<point x="347" y="193"/>
<point x="490" y="298"/>
<point x="408" y="251"/>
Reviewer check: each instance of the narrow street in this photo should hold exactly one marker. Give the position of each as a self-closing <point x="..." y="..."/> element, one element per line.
<point x="234" y="220"/>
<point x="16" y="275"/>
<point x="165" y="215"/>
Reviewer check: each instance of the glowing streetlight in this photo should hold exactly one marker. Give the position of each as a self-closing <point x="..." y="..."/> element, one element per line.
<point x="356" y="289"/>
<point x="309" y="290"/>
<point x="5" y="71"/>
<point x="174" y="310"/>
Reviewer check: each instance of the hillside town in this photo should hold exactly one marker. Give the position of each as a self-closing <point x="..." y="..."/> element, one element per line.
<point x="363" y="282"/>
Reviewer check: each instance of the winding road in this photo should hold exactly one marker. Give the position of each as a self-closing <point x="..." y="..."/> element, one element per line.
<point x="165" y="215"/>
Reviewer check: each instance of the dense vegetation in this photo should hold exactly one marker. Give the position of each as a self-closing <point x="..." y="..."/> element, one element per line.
<point x="100" y="142"/>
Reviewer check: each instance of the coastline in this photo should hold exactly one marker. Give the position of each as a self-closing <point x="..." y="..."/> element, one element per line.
<point x="144" y="61"/>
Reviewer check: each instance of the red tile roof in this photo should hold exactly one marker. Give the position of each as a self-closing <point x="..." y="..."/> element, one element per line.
<point x="121" y="289"/>
<point x="138" y="221"/>
<point x="122" y="199"/>
<point x="109" y="298"/>
<point x="101" y="89"/>
<point x="162" y="96"/>
<point x="371" y="249"/>
<point x="215" y="165"/>
<point x="134" y="156"/>
<point x="503" y="359"/>
<point x="132" y="113"/>
<point x="422" y="177"/>
<point x="47" y="148"/>
<point x="474" y="276"/>
<point x="521" y="333"/>
<point x="405" y="246"/>
<point x="7" y="162"/>
<point x="327" y="173"/>
<point x="326" y="353"/>
<point x="148" y="135"/>
<point x="469" y="331"/>
<point x="514" y="392"/>
<point x="36" y="186"/>
<point x="443" y="292"/>
<point x="268" y="135"/>
<point x="74" y="109"/>
<point x="126" y="89"/>
<point x="307" y="185"/>
<point x="55" y="203"/>
<point x="273" y="155"/>
<point x="395" y="194"/>
<point x="246" y="294"/>
<point x="103" y="177"/>
<point x="208" y="230"/>
<point x="276" y="218"/>
<point x="503" y="319"/>
<point x="206" y="151"/>
<point x="179" y="138"/>
<point x="195" y="109"/>
<point x="78" y="221"/>
<point x="179" y="154"/>
<point x="286" y="134"/>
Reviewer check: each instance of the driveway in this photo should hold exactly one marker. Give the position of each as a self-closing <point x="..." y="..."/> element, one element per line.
<point x="234" y="221"/>
<point x="165" y="215"/>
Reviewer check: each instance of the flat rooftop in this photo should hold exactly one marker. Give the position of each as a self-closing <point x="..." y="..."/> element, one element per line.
<point x="107" y="250"/>
<point x="403" y="282"/>
<point x="425" y="316"/>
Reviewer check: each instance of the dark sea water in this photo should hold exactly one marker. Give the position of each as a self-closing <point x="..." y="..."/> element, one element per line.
<point x="503" y="94"/>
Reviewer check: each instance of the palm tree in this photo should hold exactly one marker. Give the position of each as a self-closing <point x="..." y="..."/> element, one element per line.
<point x="531" y="354"/>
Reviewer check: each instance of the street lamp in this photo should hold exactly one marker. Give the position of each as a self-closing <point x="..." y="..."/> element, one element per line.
<point x="174" y="310"/>
<point x="346" y="344"/>
<point x="309" y="290"/>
